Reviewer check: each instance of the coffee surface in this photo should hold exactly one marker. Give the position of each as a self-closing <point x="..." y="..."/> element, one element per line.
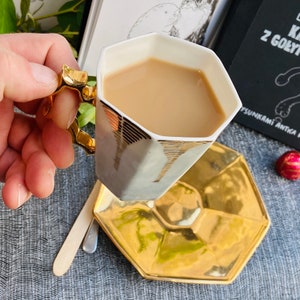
<point x="164" y="98"/>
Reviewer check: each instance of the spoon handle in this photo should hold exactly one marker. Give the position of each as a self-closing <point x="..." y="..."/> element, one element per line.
<point x="90" y="242"/>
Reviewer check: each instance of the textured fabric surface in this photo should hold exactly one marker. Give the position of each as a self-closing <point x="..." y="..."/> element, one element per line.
<point x="32" y="235"/>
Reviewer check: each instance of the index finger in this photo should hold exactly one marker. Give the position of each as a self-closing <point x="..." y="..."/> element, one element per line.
<point x="49" y="49"/>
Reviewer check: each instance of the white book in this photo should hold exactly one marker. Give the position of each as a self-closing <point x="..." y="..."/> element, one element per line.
<point x="111" y="21"/>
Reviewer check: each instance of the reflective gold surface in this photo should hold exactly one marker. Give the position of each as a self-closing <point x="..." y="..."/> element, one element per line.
<point x="81" y="138"/>
<point x="75" y="80"/>
<point x="203" y="230"/>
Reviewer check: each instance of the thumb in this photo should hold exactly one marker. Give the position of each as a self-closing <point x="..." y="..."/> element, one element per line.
<point x="22" y="80"/>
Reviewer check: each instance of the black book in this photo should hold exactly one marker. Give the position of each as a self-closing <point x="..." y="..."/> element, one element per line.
<point x="266" y="72"/>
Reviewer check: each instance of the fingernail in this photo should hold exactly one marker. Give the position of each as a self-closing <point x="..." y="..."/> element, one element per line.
<point x="23" y="195"/>
<point x="51" y="173"/>
<point x="43" y="74"/>
<point x="51" y="179"/>
<point x="70" y="121"/>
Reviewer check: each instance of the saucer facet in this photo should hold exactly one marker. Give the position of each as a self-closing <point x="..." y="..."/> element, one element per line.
<point x="203" y="230"/>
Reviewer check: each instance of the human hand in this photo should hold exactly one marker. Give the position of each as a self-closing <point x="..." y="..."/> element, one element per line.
<point x="31" y="145"/>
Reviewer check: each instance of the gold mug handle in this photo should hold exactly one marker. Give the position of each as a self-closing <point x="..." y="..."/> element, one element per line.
<point x="77" y="80"/>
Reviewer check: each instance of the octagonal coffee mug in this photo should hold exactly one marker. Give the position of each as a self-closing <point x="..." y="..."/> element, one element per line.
<point x="160" y="103"/>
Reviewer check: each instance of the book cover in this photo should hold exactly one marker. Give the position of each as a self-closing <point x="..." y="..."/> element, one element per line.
<point x="111" y="21"/>
<point x="266" y="72"/>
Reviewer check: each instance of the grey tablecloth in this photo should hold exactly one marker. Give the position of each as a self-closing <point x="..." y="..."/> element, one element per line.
<point x="31" y="236"/>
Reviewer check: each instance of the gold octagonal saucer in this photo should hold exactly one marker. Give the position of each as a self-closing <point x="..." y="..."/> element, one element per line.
<point x="203" y="230"/>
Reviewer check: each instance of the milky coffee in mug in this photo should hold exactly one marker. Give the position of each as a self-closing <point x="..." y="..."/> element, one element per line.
<point x="165" y="98"/>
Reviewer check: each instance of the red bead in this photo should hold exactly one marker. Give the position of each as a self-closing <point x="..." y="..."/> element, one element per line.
<point x="288" y="165"/>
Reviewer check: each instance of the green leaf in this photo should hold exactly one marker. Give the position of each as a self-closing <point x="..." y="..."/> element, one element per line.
<point x="92" y="81"/>
<point x="8" y="17"/>
<point x="87" y="114"/>
<point x="71" y="19"/>
<point x="24" y="6"/>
